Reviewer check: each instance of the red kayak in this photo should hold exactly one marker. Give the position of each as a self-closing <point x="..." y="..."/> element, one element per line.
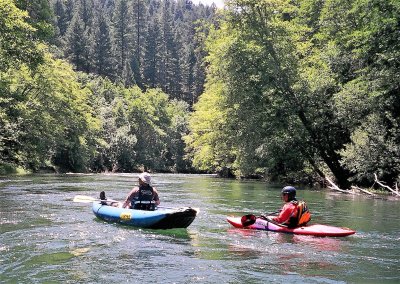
<point x="312" y="230"/>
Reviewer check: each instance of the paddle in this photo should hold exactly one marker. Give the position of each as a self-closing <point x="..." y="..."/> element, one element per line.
<point x="88" y="199"/>
<point x="250" y="219"/>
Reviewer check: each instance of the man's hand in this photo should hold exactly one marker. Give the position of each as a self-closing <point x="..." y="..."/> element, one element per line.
<point x="126" y="204"/>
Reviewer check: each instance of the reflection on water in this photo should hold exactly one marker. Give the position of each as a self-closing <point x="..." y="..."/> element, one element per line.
<point x="320" y="244"/>
<point x="45" y="237"/>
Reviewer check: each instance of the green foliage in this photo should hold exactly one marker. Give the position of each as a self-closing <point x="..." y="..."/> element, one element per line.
<point x="16" y="43"/>
<point x="207" y="144"/>
<point x="257" y="109"/>
<point x="372" y="153"/>
<point x="18" y="51"/>
<point x="149" y="115"/>
<point x="40" y="17"/>
<point x="51" y="116"/>
<point x="178" y="111"/>
<point x="298" y="84"/>
<point x="139" y="130"/>
<point x="369" y="100"/>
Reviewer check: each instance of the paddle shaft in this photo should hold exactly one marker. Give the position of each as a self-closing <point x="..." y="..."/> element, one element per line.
<point x="88" y="199"/>
<point x="272" y="213"/>
<point x="273" y="222"/>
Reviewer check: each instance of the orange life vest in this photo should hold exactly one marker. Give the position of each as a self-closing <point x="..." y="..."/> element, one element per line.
<point x="303" y="214"/>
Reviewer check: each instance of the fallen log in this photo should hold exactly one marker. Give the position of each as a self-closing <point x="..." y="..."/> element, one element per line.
<point x="356" y="188"/>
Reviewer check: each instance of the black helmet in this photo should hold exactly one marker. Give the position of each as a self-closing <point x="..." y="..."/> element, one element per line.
<point x="291" y="191"/>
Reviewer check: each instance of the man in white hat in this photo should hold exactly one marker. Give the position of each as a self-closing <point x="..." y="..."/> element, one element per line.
<point x="144" y="197"/>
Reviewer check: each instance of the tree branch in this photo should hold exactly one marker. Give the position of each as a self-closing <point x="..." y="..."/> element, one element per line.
<point x="395" y="192"/>
<point x="363" y="190"/>
<point x="335" y="187"/>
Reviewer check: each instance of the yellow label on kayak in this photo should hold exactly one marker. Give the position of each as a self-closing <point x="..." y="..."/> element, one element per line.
<point x="125" y="216"/>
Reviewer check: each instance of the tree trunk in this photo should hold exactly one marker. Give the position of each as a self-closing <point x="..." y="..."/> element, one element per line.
<point x="329" y="155"/>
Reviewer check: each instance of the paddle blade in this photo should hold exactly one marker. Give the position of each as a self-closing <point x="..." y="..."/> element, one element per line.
<point x="84" y="199"/>
<point x="248" y="220"/>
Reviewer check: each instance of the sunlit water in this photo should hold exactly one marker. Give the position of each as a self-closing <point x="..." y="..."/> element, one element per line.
<point x="47" y="238"/>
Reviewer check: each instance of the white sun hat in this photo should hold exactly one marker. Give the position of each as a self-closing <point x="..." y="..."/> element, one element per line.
<point x="145" y="177"/>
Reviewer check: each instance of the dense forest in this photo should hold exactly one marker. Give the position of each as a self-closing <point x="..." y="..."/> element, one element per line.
<point x="285" y="90"/>
<point x="99" y="85"/>
<point x="148" y="43"/>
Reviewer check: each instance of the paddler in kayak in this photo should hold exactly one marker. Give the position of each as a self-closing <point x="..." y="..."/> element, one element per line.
<point x="144" y="197"/>
<point x="294" y="213"/>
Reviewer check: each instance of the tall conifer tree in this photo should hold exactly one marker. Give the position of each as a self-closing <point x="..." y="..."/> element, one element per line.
<point x="76" y="43"/>
<point x="139" y="11"/>
<point x="103" y="55"/>
<point x="167" y="36"/>
<point x="122" y="26"/>
<point x="152" y="60"/>
<point x="61" y="17"/>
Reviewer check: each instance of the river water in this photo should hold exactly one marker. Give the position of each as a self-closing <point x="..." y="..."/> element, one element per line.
<point x="47" y="238"/>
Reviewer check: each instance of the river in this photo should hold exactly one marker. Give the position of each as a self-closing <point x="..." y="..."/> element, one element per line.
<point x="47" y="238"/>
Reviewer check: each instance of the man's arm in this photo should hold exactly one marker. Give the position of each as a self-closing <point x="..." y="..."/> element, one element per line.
<point x="285" y="214"/>
<point x="130" y="197"/>
<point x="155" y="197"/>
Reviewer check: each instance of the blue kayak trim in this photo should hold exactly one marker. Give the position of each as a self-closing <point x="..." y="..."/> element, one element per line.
<point x="161" y="218"/>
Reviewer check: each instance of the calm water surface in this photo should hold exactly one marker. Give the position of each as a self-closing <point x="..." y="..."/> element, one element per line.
<point x="47" y="238"/>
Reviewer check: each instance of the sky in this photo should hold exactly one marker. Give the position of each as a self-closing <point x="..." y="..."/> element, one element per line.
<point x="219" y="3"/>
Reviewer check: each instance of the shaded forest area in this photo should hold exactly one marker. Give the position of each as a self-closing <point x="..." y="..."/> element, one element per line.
<point x="294" y="91"/>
